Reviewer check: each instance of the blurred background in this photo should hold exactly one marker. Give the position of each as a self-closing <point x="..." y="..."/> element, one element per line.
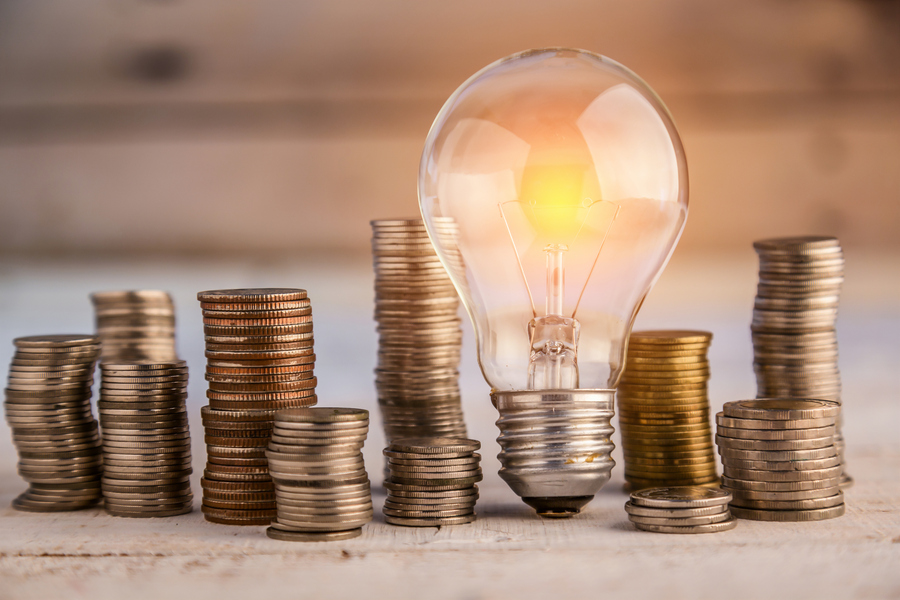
<point x="200" y="144"/>
<point x="221" y="126"/>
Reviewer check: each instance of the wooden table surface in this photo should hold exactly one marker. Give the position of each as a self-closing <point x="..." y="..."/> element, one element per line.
<point x="508" y="552"/>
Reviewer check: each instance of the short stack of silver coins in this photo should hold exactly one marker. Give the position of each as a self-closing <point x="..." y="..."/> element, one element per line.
<point x="688" y="509"/>
<point x="432" y="481"/>
<point x="48" y="407"/>
<point x="779" y="458"/>
<point x="794" y="338"/>
<point x="146" y="441"/>
<point x="322" y="490"/>
<point x="135" y="325"/>
<point x="416" y="308"/>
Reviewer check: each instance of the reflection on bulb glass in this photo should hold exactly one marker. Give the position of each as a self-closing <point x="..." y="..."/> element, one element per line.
<point x="566" y="178"/>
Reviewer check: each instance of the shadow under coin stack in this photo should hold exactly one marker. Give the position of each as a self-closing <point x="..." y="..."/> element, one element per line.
<point x="146" y="441"/>
<point x="779" y="459"/>
<point x="135" y="325"/>
<point x="48" y="407"/>
<point x="795" y="347"/>
<point x="259" y="350"/>
<point x="664" y="410"/>
<point x="688" y="509"/>
<point x="416" y="307"/>
<point x="321" y="487"/>
<point x="432" y="481"/>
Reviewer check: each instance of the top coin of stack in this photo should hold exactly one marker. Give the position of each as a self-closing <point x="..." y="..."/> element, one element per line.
<point x="794" y="340"/>
<point x="135" y="325"/>
<point x="664" y="410"/>
<point x="779" y="458"/>
<point x="48" y="406"/>
<point x="259" y="349"/>
<point x="688" y="509"/>
<point x="416" y="307"/>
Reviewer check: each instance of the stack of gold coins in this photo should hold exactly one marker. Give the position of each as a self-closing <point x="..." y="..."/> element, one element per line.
<point x="779" y="459"/>
<point x="259" y="350"/>
<point x="146" y="441"/>
<point x="321" y="486"/>
<point x="48" y="406"/>
<point x="135" y="325"/>
<point x="432" y="481"/>
<point x="795" y="346"/>
<point x="688" y="509"/>
<point x="416" y="307"/>
<point x="664" y="410"/>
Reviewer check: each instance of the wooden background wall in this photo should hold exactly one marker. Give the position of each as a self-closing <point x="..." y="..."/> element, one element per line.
<point x="204" y="126"/>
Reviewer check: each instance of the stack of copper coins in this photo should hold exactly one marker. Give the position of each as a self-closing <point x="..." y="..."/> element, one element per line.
<point x="259" y="350"/>
<point x="135" y="325"/>
<point x="664" y="410"/>
<point x="48" y="406"/>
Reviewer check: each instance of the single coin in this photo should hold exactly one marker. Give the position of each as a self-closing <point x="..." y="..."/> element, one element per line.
<point x="778" y="455"/>
<point x="675" y="513"/>
<point x="668" y="337"/>
<point x="680" y="497"/>
<point x="775" y="434"/>
<point x="433" y="522"/>
<point x="707" y="528"/>
<point x="775" y="409"/>
<point x="758" y="424"/>
<point x="774" y="445"/>
<point x="434" y="445"/>
<point x="815" y="514"/>
<point x="680" y="521"/>
<point x="775" y="476"/>
<point x="286" y="535"/>
<point x="807" y="504"/>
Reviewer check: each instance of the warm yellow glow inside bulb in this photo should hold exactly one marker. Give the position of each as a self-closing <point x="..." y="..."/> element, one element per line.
<point x="556" y="198"/>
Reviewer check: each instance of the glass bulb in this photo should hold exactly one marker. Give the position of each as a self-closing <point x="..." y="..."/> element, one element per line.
<point x="554" y="187"/>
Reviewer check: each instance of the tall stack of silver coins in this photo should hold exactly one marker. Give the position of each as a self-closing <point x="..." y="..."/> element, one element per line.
<point x="259" y="350"/>
<point x="146" y="441"/>
<point x="48" y="407"/>
<point x="664" y="410"/>
<point x="416" y="308"/>
<point x="322" y="489"/>
<point x="794" y="339"/>
<point x="135" y="325"/>
<point x="779" y="459"/>
<point x="432" y="481"/>
<point x="688" y="509"/>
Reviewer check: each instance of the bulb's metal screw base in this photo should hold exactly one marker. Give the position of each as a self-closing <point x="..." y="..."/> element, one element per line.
<point x="555" y="446"/>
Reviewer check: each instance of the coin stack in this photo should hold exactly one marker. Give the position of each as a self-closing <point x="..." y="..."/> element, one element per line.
<point x="416" y="307"/>
<point x="687" y="509"/>
<point x="664" y="410"/>
<point x="779" y="459"/>
<point x="259" y="350"/>
<point x="794" y="340"/>
<point x="321" y="487"/>
<point x="48" y="407"/>
<point x="135" y="325"/>
<point x="146" y="442"/>
<point x="432" y="481"/>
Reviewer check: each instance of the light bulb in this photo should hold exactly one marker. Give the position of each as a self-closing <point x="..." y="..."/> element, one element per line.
<point x="565" y="182"/>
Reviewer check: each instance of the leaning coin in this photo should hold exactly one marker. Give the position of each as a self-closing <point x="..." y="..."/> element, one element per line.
<point x="432" y="522"/>
<point x="287" y="535"/>
<point x="674" y="513"/>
